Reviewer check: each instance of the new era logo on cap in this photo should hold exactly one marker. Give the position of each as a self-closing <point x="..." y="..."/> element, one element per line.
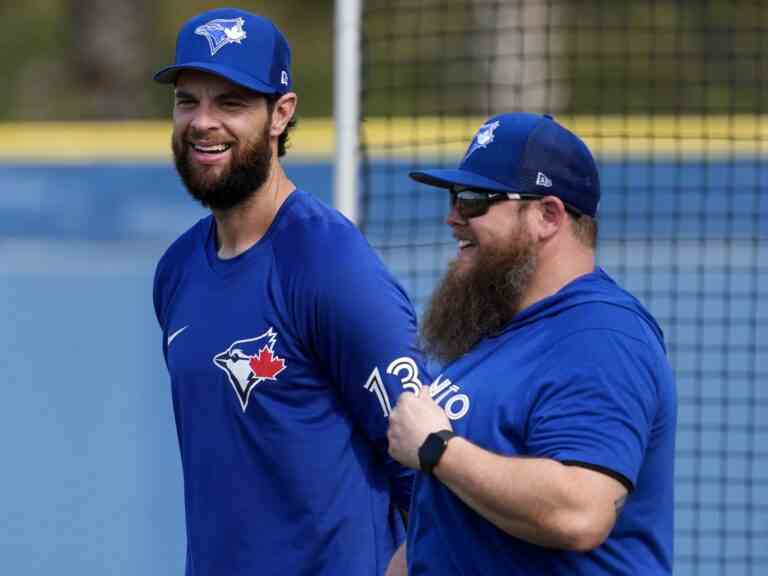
<point x="543" y="180"/>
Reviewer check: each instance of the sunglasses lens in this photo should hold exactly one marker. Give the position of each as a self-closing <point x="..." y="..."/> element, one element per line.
<point x="473" y="208"/>
<point x="470" y="204"/>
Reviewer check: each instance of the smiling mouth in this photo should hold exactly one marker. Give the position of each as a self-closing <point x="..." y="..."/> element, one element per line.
<point x="211" y="149"/>
<point x="465" y="244"/>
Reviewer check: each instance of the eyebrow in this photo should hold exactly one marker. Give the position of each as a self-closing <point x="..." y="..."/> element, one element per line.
<point x="236" y="94"/>
<point x="232" y="94"/>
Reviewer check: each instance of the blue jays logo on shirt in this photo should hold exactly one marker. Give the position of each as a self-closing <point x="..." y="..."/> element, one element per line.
<point x="222" y="31"/>
<point x="483" y="138"/>
<point x="249" y="362"/>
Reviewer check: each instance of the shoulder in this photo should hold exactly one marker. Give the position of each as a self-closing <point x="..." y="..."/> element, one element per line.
<point x="316" y="237"/>
<point x="596" y="302"/>
<point x="184" y="247"/>
<point x="175" y="262"/>
<point x="321" y="258"/>
<point x="603" y="315"/>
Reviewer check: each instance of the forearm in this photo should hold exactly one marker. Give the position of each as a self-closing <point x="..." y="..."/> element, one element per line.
<point x="537" y="500"/>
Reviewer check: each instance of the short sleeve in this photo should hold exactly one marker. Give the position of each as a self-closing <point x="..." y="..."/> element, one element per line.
<point x="595" y="403"/>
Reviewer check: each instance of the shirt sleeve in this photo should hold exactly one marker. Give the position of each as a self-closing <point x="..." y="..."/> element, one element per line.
<point x="361" y="327"/>
<point x="158" y="300"/>
<point x="596" y="403"/>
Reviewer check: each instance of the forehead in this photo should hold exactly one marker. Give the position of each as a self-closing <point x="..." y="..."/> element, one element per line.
<point x="199" y="82"/>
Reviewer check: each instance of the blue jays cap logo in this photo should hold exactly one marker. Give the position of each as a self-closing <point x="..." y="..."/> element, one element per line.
<point x="222" y="31"/>
<point x="249" y="362"/>
<point x="483" y="138"/>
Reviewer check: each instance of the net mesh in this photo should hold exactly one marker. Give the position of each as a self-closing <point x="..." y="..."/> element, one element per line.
<point x="670" y="97"/>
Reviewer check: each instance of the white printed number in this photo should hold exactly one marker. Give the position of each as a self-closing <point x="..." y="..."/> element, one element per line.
<point x="375" y="385"/>
<point x="408" y="372"/>
<point x="442" y="390"/>
<point x="404" y="368"/>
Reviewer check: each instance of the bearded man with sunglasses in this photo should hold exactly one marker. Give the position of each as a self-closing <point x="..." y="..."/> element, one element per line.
<point x="560" y="460"/>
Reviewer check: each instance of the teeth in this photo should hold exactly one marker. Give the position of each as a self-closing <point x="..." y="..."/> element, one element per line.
<point x="211" y="149"/>
<point x="464" y="243"/>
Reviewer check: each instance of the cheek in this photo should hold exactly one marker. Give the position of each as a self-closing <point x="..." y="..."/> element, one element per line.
<point x="177" y="140"/>
<point x="179" y="126"/>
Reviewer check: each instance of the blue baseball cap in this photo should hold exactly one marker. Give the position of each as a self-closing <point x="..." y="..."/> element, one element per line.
<point x="244" y="48"/>
<point x="525" y="154"/>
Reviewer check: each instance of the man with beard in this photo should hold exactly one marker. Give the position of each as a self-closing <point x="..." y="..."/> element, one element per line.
<point x="559" y="457"/>
<point x="282" y="379"/>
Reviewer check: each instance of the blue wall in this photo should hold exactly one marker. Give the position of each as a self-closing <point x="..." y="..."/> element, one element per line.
<point x="90" y="481"/>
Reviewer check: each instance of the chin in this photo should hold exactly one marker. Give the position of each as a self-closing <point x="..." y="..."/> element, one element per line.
<point x="463" y="264"/>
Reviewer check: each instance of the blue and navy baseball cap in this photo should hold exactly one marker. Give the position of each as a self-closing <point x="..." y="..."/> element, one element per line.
<point x="525" y="154"/>
<point x="244" y="48"/>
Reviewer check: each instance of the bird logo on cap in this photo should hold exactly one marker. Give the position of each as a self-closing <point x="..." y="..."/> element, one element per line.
<point x="483" y="138"/>
<point x="222" y="31"/>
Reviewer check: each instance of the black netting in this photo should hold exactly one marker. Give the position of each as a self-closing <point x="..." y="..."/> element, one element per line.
<point x="670" y="97"/>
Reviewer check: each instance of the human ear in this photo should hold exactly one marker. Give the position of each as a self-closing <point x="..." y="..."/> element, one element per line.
<point x="550" y="215"/>
<point x="283" y="111"/>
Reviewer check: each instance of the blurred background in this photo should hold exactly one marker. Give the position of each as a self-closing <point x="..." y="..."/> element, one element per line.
<point x="669" y="94"/>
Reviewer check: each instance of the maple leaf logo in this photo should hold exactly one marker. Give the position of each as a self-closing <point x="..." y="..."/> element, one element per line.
<point x="249" y="362"/>
<point x="267" y="365"/>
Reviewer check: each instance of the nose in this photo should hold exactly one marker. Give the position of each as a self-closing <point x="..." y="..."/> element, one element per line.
<point x="203" y="119"/>
<point x="454" y="218"/>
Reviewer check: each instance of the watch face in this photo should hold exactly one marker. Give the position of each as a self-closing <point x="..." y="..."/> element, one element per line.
<point x="433" y="448"/>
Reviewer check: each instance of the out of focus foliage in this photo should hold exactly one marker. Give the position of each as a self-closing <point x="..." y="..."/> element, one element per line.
<point x="93" y="59"/>
<point x="458" y="57"/>
<point x="668" y="56"/>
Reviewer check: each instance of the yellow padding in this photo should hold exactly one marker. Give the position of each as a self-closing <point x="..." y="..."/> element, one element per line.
<point x="414" y="138"/>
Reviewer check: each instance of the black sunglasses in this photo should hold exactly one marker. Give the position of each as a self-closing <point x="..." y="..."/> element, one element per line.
<point x="473" y="203"/>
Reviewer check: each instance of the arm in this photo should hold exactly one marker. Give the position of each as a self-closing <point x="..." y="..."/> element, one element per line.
<point x="538" y="500"/>
<point x="361" y="327"/>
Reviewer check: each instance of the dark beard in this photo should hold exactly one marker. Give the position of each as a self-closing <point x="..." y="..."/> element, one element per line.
<point x="469" y="305"/>
<point x="248" y="171"/>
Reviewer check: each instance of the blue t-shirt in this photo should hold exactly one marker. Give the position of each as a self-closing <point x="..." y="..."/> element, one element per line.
<point x="580" y="377"/>
<point x="285" y="363"/>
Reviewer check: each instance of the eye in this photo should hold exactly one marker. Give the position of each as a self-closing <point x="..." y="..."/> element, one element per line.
<point x="232" y="104"/>
<point x="184" y="102"/>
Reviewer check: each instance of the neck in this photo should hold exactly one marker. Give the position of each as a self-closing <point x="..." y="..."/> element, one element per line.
<point x="557" y="267"/>
<point x="239" y="228"/>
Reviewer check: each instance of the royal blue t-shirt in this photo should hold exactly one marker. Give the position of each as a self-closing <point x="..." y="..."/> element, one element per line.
<point x="580" y="377"/>
<point x="285" y="363"/>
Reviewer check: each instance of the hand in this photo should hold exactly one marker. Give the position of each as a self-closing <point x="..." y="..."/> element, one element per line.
<point x="413" y="419"/>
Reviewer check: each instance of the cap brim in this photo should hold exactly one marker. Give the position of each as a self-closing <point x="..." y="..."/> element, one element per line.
<point x="168" y="76"/>
<point x="448" y="178"/>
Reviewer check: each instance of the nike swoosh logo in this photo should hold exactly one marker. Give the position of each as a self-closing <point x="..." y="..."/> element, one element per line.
<point x="172" y="337"/>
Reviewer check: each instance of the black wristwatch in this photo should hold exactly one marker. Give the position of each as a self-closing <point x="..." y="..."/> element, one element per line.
<point x="433" y="448"/>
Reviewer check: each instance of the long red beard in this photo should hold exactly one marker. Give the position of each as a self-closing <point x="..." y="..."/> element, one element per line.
<point x="469" y="305"/>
